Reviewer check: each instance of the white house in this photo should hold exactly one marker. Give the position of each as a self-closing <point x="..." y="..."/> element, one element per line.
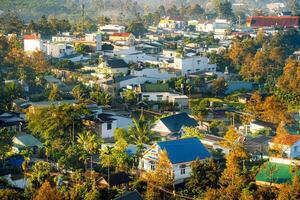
<point x="181" y="154"/>
<point x="33" y="43"/>
<point x="193" y="64"/>
<point x="289" y="144"/>
<point x="161" y="92"/>
<point x="221" y="26"/>
<point x="59" y="50"/>
<point x="64" y="37"/>
<point x="111" y="28"/>
<point x="94" y="37"/>
<point x="205" y="26"/>
<point x="154" y="73"/>
<point x="105" y="124"/>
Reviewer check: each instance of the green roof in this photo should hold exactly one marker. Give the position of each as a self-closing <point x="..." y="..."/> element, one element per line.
<point x="281" y="173"/>
<point x="156" y="87"/>
<point x="28" y="140"/>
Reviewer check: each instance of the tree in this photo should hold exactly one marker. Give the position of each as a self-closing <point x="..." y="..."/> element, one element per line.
<point x="5" y="143"/>
<point x="136" y="28"/>
<point x="204" y="174"/>
<point x="79" y="92"/>
<point x="89" y="143"/>
<point x="40" y="172"/>
<point x="100" y="97"/>
<point x="106" y="159"/>
<point x="46" y="192"/>
<point x="81" y="48"/>
<point x="232" y="173"/>
<point x="39" y="62"/>
<point x="219" y="86"/>
<point x="191" y="132"/>
<point x="54" y="93"/>
<point x="10" y="194"/>
<point x="289" y="81"/>
<point x="160" y="178"/>
<point x="223" y="8"/>
<point x="129" y="96"/>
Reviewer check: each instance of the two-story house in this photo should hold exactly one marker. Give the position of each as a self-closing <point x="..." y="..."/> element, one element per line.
<point x="288" y="144"/>
<point x="181" y="154"/>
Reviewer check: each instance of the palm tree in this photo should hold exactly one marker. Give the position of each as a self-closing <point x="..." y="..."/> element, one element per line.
<point x="47" y="146"/>
<point x="140" y="133"/>
<point x="106" y="160"/>
<point x="90" y="144"/>
<point x="26" y="153"/>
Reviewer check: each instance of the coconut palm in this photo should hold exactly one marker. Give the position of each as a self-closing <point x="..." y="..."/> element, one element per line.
<point x="106" y="159"/>
<point x="89" y="143"/>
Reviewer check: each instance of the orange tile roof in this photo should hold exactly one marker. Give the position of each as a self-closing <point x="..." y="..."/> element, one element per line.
<point x="121" y="34"/>
<point x="286" y="140"/>
<point x="31" y="37"/>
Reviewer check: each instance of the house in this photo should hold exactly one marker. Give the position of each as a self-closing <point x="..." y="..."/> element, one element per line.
<point x="289" y="144"/>
<point x="258" y="125"/>
<point x="116" y="180"/>
<point x="113" y="66"/>
<point x="161" y="92"/>
<point x="221" y="26"/>
<point x="157" y="73"/>
<point x="23" y="141"/>
<point x="33" y="43"/>
<point x="193" y="64"/>
<point x="12" y="121"/>
<point x="63" y="38"/>
<point x="174" y="124"/>
<point x="124" y="38"/>
<point x="111" y="29"/>
<point x="258" y="146"/>
<point x="59" y="50"/>
<point x="213" y="142"/>
<point x="114" y="85"/>
<point x="172" y="22"/>
<point x="134" y="195"/>
<point x="105" y="124"/>
<point x="92" y="40"/>
<point x="205" y="26"/>
<point x="181" y="154"/>
<point x="273" y="21"/>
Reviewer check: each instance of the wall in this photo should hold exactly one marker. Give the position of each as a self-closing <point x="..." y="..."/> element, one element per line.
<point x="108" y="133"/>
<point x="160" y="128"/>
<point x="295" y="150"/>
<point x="193" y="64"/>
<point x="32" y="45"/>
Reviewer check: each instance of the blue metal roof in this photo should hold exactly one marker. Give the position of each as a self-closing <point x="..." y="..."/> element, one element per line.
<point x="184" y="150"/>
<point x="175" y="122"/>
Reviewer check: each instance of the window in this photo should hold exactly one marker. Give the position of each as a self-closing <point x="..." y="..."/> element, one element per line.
<point x="108" y="126"/>
<point x="182" y="169"/>
<point x="295" y="148"/>
<point x="152" y="166"/>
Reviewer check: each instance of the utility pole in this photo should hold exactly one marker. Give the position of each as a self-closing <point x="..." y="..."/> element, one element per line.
<point x="82" y="18"/>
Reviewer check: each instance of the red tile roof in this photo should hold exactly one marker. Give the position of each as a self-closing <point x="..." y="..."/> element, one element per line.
<point x="286" y="140"/>
<point x="121" y="34"/>
<point x="32" y="37"/>
<point x="270" y="21"/>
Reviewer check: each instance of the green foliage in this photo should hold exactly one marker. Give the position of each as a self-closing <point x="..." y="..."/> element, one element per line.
<point x="10" y="194"/>
<point x="204" y="174"/>
<point x="136" y="28"/>
<point x="5" y="142"/>
<point x="191" y="132"/>
<point x="81" y="48"/>
<point x="100" y="97"/>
